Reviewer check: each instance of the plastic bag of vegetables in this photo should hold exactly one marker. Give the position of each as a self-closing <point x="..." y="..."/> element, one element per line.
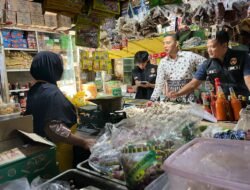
<point x="142" y="162"/>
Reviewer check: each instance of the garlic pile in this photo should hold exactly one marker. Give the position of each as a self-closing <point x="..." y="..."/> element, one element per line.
<point x="158" y="111"/>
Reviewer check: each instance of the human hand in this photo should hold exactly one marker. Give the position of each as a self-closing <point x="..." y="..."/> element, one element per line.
<point x="172" y="94"/>
<point x="149" y="85"/>
<point x="88" y="143"/>
<point x="149" y="103"/>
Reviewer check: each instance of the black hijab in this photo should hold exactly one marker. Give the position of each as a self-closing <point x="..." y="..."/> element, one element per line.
<point x="47" y="66"/>
<point x="45" y="101"/>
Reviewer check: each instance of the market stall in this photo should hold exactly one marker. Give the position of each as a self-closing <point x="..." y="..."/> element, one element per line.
<point x="119" y="142"/>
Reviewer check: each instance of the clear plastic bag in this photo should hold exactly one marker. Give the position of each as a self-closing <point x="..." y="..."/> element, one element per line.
<point x="56" y="185"/>
<point x="148" y="136"/>
<point x="244" y="120"/>
<point x="21" y="183"/>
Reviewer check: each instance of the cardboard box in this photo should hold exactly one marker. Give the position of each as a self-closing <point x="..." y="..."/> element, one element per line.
<point x="23" y="19"/>
<point x="2" y="5"/>
<point x="9" y="17"/>
<point x="23" y="6"/>
<point x="12" y="5"/>
<point x="64" y="22"/>
<point x="37" y="20"/>
<point x="9" y="125"/>
<point x="35" y="8"/>
<point x="50" y="20"/>
<point x="25" y="154"/>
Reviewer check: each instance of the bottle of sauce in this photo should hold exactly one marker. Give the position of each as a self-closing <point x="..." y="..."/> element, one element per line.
<point x="235" y="104"/>
<point x="212" y="104"/>
<point x="206" y="103"/>
<point x="217" y="84"/>
<point x="221" y="105"/>
<point x="230" y="114"/>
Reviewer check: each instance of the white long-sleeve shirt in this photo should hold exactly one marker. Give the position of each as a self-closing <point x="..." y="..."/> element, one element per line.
<point x="176" y="73"/>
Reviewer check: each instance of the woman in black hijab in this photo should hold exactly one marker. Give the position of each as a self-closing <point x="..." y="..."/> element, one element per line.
<point x="53" y="114"/>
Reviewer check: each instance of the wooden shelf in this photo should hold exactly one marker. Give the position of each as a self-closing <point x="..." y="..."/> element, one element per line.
<point x="18" y="70"/>
<point x="20" y="49"/>
<point x="20" y="90"/>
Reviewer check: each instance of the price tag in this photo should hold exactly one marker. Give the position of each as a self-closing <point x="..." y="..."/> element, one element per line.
<point x="46" y="38"/>
<point x="56" y="40"/>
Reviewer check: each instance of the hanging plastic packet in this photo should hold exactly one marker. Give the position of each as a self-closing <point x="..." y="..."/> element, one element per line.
<point x="103" y="65"/>
<point x="90" y="64"/>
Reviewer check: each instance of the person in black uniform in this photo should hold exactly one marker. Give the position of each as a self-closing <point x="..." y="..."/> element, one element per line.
<point x="144" y="75"/>
<point x="232" y="67"/>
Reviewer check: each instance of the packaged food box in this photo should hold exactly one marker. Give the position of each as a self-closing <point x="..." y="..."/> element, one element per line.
<point x="23" y="6"/>
<point x="64" y="22"/>
<point x="210" y="164"/>
<point x="6" y="33"/>
<point x="37" y="20"/>
<point x="11" y="5"/>
<point x="50" y="20"/>
<point x="17" y="34"/>
<point x="35" y="8"/>
<point x="7" y="43"/>
<point x="9" y="17"/>
<point x="23" y="18"/>
<point x="25" y="154"/>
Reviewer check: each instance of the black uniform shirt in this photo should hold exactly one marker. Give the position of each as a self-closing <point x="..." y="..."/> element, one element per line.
<point x="231" y="72"/>
<point x="149" y="75"/>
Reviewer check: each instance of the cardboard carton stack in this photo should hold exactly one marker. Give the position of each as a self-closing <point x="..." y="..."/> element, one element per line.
<point x="64" y="22"/>
<point x="37" y="18"/>
<point x="50" y="20"/>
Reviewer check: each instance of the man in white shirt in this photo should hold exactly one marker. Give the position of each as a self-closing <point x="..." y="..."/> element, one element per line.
<point x="176" y="69"/>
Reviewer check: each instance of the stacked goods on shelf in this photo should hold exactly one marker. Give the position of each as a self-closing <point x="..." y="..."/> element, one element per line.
<point x="48" y="41"/>
<point x="86" y="60"/>
<point x="50" y="20"/>
<point x="64" y="22"/>
<point x="31" y="39"/>
<point x="6" y="38"/>
<point x="26" y="13"/>
<point x="37" y="18"/>
<point x="18" y="60"/>
<point x="23" y="19"/>
<point x="14" y="39"/>
<point x="97" y="61"/>
<point x="9" y="17"/>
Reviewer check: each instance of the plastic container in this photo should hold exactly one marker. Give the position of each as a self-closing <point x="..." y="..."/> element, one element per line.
<point x="210" y="164"/>
<point x="84" y="166"/>
<point x="82" y="180"/>
<point x="159" y="184"/>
